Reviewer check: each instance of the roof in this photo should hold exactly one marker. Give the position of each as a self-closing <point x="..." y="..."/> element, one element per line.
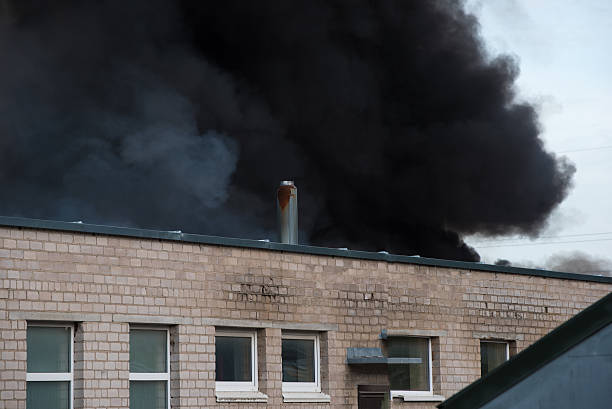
<point x="520" y="366"/>
<point x="179" y="236"/>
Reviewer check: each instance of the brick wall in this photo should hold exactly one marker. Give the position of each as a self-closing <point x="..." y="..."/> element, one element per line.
<point x="104" y="283"/>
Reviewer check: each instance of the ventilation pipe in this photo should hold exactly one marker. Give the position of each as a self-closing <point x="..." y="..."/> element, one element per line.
<point x="287" y="210"/>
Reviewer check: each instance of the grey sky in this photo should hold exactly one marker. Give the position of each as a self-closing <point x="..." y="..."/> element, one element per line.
<point x="565" y="56"/>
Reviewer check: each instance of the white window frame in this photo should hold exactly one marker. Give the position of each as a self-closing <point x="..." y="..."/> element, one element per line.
<point x="306" y="386"/>
<point x="408" y="393"/>
<point x="56" y="376"/>
<point x="155" y="376"/>
<point x="494" y="341"/>
<point x="225" y="386"/>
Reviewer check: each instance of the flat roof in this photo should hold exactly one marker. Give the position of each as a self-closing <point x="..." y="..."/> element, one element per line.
<point x="79" y="227"/>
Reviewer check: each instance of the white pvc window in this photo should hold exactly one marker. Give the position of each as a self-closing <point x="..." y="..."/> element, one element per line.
<point x="236" y="360"/>
<point x="301" y="362"/>
<point x="410" y="378"/>
<point x="49" y="366"/>
<point x="493" y="354"/>
<point x="149" y="368"/>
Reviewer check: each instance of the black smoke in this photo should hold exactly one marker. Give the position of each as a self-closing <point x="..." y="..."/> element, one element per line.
<point x="576" y="262"/>
<point x="580" y="262"/>
<point x="400" y="132"/>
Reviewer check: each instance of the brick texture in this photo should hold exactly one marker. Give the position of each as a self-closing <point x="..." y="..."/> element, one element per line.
<point x="105" y="278"/>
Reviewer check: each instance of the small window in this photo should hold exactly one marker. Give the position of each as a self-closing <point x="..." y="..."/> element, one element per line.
<point x="236" y="360"/>
<point x="301" y="362"/>
<point x="149" y="368"/>
<point x="410" y="378"/>
<point x="49" y="366"/>
<point x="492" y="354"/>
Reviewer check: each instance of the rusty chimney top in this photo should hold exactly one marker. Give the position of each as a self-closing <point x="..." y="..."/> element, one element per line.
<point x="286" y="207"/>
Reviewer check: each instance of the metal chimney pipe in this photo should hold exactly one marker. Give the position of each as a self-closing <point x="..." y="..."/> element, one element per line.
<point x="287" y="210"/>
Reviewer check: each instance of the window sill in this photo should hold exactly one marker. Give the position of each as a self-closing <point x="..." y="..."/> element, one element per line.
<point x="306" y="397"/>
<point x="241" y="396"/>
<point x="408" y="397"/>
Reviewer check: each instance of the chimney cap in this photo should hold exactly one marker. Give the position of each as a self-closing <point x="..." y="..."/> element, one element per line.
<point x="286" y="183"/>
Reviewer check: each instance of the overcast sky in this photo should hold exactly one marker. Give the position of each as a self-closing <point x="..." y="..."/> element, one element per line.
<point x="565" y="56"/>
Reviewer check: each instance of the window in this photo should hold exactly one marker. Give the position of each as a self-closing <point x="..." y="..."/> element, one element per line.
<point x="301" y="361"/>
<point x="236" y="360"/>
<point x="492" y="354"/>
<point x="412" y="378"/>
<point x="149" y="368"/>
<point x="49" y="366"/>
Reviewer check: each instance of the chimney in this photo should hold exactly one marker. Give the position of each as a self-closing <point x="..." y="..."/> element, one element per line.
<point x="286" y="207"/>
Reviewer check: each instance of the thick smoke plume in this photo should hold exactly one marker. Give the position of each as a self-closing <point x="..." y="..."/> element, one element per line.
<point x="579" y="262"/>
<point x="399" y="131"/>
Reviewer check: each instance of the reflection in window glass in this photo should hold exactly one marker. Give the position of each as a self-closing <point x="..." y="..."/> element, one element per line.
<point x="48" y="349"/>
<point x="148" y="395"/>
<point x="147" y="351"/>
<point x="49" y="366"/>
<point x="149" y="368"/>
<point x="409" y="377"/>
<point x="298" y="360"/>
<point x="48" y="395"/>
<point x="233" y="358"/>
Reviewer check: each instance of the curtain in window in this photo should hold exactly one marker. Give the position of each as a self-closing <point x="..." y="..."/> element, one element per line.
<point x="148" y="395"/>
<point x="492" y="354"/>
<point x="148" y="351"/>
<point x="233" y="358"/>
<point x="48" y="349"/>
<point x="298" y="360"/>
<point x="48" y="395"/>
<point x="409" y="377"/>
<point x="148" y="355"/>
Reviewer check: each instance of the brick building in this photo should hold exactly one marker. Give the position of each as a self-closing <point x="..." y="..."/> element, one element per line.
<point x="106" y="317"/>
<point x="568" y="368"/>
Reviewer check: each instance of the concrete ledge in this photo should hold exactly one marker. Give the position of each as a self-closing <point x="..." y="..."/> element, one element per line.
<point x="152" y="319"/>
<point x="54" y="316"/>
<point x="239" y="396"/>
<point x="165" y="320"/>
<point x="424" y="398"/>
<point x="306" y="397"/>
<point x="412" y="333"/>
<point x="498" y="336"/>
<point x="297" y="326"/>
<point x="410" y="397"/>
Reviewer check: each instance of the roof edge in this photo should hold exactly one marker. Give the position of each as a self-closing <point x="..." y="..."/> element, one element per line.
<point x="79" y="227"/>
<point x="546" y="349"/>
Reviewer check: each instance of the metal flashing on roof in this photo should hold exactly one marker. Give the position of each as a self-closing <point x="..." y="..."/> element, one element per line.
<point x="177" y="235"/>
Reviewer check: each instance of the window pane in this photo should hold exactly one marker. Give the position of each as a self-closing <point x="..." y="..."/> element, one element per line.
<point x="48" y="349"/>
<point x="147" y="351"/>
<point x="233" y="358"/>
<point x="48" y="395"/>
<point x="492" y="354"/>
<point x="298" y="360"/>
<point x="409" y="377"/>
<point x="148" y="395"/>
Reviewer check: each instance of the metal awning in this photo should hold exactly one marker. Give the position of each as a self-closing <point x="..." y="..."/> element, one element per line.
<point x="374" y="356"/>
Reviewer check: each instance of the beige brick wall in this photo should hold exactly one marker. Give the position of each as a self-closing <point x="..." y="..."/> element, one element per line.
<point x="104" y="283"/>
<point x="101" y="365"/>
